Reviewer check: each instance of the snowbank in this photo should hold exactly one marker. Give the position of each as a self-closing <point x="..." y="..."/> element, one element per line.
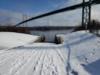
<point x="81" y="42"/>
<point x="63" y="38"/>
<point x="85" y="47"/>
<point x="12" y="39"/>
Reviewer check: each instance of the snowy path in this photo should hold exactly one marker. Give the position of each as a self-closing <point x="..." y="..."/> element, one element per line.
<point x="33" y="61"/>
<point x="78" y="55"/>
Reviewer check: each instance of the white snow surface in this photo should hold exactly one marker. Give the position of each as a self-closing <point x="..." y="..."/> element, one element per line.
<point x="85" y="47"/>
<point x="12" y="39"/>
<point x="78" y="55"/>
<point x="39" y="59"/>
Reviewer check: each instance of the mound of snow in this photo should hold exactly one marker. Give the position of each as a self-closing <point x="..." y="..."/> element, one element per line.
<point x="85" y="47"/>
<point x="71" y="37"/>
<point x="12" y="39"/>
<point x="77" y="68"/>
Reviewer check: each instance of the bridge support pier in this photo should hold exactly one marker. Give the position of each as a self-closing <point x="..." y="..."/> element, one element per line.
<point x="86" y="14"/>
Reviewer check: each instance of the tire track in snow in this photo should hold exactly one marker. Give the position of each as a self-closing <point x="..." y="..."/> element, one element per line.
<point x="60" y="55"/>
<point x="33" y="68"/>
<point x="29" y="65"/>
<point x="45" y="55"/>
<point x="19" y="63"/>
<point x="3" y="52"/>
<point x="6" y="56"/>
<point x="45" y="64"/>
<point x="49" y="68"/>
<point x="7" y="64"/>
<point x="55" y="63"/>
<point x="59" y="64"/>
<point x="9" y="56"/>
<point x="40" y="62"/>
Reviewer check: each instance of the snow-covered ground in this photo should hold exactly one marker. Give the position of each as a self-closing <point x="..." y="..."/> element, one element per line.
<point x="12" y="39"/>
<point x="78" y="55"/>
<point x="38" y="59"/>
<point x="86" y="48"/>
<point x="52" y="33"/>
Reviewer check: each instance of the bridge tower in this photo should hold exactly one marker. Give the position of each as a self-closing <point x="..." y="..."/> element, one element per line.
<point x="24" y="17"/>
<point x="86" y="13"/>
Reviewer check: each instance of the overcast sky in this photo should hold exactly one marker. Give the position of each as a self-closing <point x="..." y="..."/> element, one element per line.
<point x="12" y="10"/>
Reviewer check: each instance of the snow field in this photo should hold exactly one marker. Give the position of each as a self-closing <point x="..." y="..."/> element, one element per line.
<point x="85" y="47"/>
<point x="36" y="61"/>
<point x="77" y="50"/>
<point x="11" y="39"/>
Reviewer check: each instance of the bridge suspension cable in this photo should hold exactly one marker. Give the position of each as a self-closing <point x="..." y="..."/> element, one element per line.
<point x="86" y="12"/>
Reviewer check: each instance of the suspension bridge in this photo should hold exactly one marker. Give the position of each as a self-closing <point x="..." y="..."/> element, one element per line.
<point x="86" y="15"/>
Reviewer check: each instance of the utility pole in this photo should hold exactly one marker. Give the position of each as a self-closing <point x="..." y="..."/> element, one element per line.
<point x="86" y="14"/>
